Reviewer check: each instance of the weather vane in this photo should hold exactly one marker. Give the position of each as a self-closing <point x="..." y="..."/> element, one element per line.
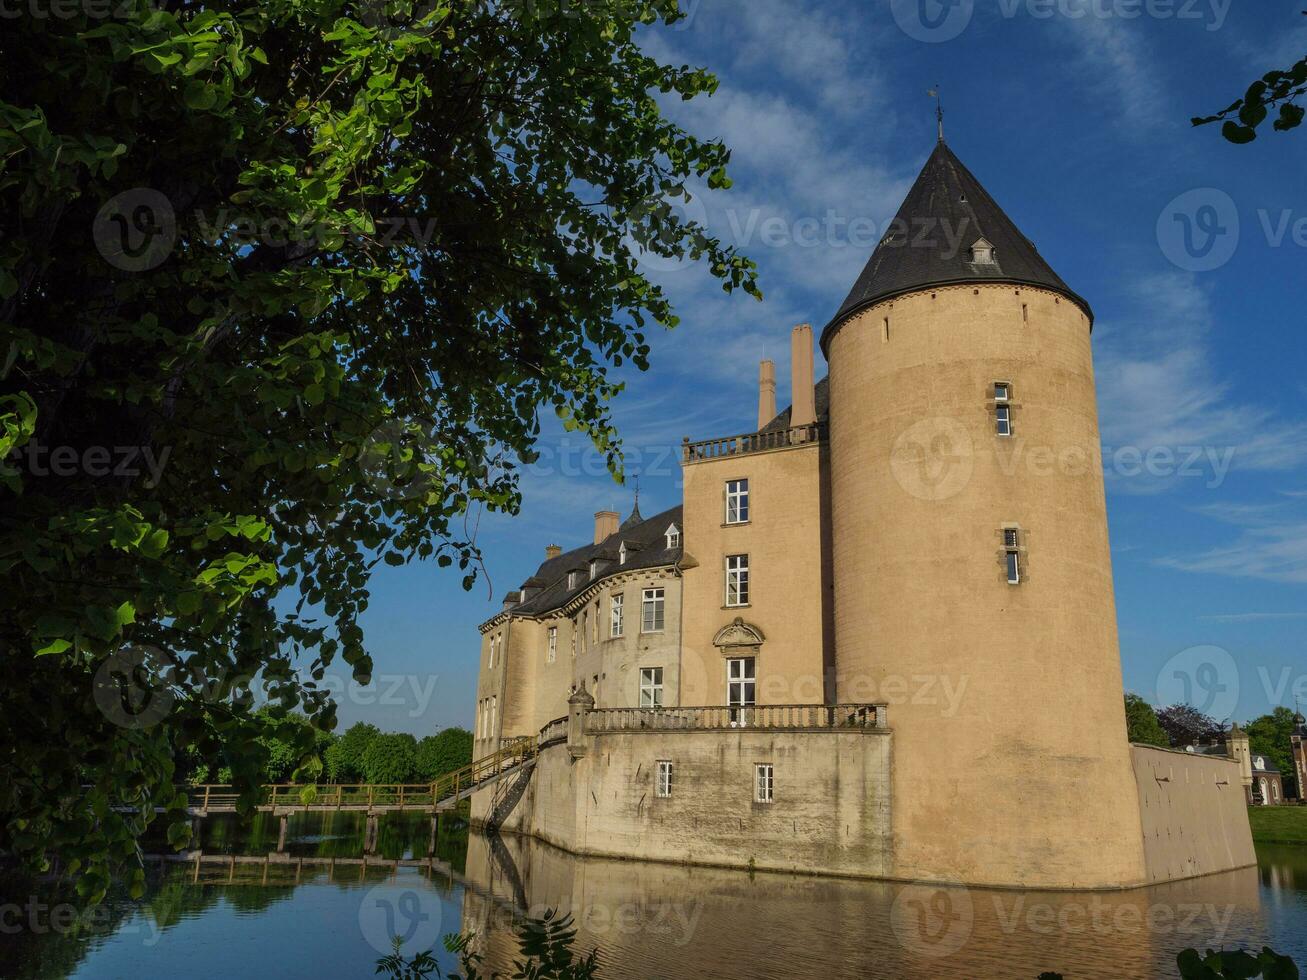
<point x="939" y="109"/>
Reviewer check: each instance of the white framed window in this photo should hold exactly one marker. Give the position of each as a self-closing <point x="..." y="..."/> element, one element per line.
<point x="1003" y="420"/>
<point x="616" y="610"/>
<point x="741" y="687"/>
<point x="651" y="611"/>
<point x="552" y="655"/>
<point x="494" y="703"/>
<point x="651" y="687"/>
<point x="573" y="579"/>
<point x="585" y="622"/>
<point x="663" y="785"/>
<point x="1002" y="391"/>
<point x="621" y="554"/>
<point x="594" y="570"/>
<point x="764" y="783"/>
<point x="673" y="537"/>
<point x="481" y="718"/>
<point x="1012" y="554"/>
<point x="737" y="502"/>
<point x="737" y="580"/>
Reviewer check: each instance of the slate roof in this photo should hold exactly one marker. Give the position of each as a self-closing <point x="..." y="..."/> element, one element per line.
<point x="954" y="211"/>
<point x="821" y="396"/>
<point x="647" y="548"/>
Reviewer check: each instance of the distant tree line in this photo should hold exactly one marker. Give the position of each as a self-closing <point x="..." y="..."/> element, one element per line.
<point x="363" y="754"/>
<point x="1181" y="724"/>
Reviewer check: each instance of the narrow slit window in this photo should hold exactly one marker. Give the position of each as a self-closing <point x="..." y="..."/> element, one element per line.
<point x="617" y="613"/>
<point x="1012" y="554"/>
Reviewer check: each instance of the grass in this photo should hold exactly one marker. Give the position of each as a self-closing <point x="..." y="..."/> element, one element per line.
<point x="1278" y="824"/>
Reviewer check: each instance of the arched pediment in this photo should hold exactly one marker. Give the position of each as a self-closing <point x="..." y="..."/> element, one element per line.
<point x="738" y="634"/>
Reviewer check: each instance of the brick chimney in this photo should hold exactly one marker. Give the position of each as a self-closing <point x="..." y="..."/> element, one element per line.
<point x="801" y="383"/>
<point x="766" y="393"/>
<point x="552" y="551"/>
<point x="606" y="524"/>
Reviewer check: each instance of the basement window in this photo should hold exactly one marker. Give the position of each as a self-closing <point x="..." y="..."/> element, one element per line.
<point x="663" y="787"/>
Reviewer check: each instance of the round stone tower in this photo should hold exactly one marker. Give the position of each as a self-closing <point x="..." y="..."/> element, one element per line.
<point x="973" y="579"/>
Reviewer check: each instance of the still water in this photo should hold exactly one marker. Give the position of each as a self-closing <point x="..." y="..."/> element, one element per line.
<point x="317" y="910"/>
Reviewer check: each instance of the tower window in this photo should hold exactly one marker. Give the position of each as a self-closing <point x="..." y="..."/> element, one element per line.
<point x="663" y="787"/>
<point x="1002" y="408"/>
<point x="1002" y="391"/>
<point x="616" y="613"/>
<point x="737" y="580"/>
<point x="651" y="687"/>
<point x="1012" y="554"/>
<point x="651" y="612"/>
<point x="737" y="502"/>
<point x="764" y="783"/>
<point x="552" y="655"/>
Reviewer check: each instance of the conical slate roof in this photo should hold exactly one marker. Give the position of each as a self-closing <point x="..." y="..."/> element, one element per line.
<point x="929" y="243"/>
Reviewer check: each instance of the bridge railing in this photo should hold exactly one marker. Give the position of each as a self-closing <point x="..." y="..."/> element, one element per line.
<point x="783" y="717"/>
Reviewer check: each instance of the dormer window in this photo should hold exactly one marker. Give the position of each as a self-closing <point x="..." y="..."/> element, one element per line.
<point x="594" y="570"/>
<point x="673" y="537"/>
<point x="621" y="554"/>
<point x="573" y="579"/>
<point x="982" y="253"/>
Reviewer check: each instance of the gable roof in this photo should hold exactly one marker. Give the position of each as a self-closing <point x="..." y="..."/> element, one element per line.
<point x="929" y="244"/>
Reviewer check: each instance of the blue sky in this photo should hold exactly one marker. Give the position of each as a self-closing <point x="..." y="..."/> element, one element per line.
<point x="1074" y="114"/>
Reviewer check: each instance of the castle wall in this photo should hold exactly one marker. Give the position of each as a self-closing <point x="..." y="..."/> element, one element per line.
<point x="1194" y="816"/>
<point x="788" y="570"/>
<point x="1024" y="777"/>
<point x="831" y="812"/>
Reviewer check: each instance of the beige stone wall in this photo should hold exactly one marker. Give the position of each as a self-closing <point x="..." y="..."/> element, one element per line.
<point x="830" y="815"/>
<point x="1195" y="819"/>
<point x="789" y="574"/>
<point x="1025" y="779"/>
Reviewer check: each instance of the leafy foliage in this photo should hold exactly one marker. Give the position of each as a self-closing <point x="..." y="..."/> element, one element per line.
<point x="321" y="265"/>
<point x="1185" y="725"/>
<point x="390" y="758"/>
<point x="1141" y="723"/>
<point x="345" y="759"/>
<point x="444" y="752"/>
<point x="1276" y="90"/>
<point x="545" y="944"/>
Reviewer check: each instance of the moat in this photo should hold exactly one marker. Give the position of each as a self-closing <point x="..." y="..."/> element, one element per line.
<point x="317" y="910"/>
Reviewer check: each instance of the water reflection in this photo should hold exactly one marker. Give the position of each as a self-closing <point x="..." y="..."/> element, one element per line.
<point x="672" y="922"/>
<point x="320" y="907"/>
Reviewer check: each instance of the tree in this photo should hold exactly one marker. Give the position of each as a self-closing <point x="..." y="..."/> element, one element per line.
<point x="345" y="758"/>
<point x="390" y="758"/>
<point x="1277" y="90"/>
<point x="284" y="290"/>
<point x="444" y="752"/>
<point x="1141" y="723"/>
<point x="1185" y="725"/>
<point x="1270" y="735"/>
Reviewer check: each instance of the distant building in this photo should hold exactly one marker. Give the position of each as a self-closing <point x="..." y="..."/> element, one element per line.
<point x="878" y="637"/>
<point x="1263" y="784"/>
<point x="1298" y="749"/>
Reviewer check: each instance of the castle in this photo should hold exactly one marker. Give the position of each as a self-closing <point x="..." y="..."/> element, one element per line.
<point x="878" y="637"/>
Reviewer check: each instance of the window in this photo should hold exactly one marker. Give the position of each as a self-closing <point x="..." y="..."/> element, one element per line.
<point x="1003" y="420"/>
<point x="573" y="579"/>
<point x="594" y="569"/>
<point x="651" y="687"/>
<point x="651" y="612"/>
<point x="741" y="687"/>
<point x="585" y="621"/>
<point x="621" y="554"/>
<point x="663" y="787"/>
<point x="553" y="645"/>
<point x="737" y="580"/>
<point x="481" y="718"/>
<point x="673" y="537"/>
<point x="764" y="783"/>
<point x="1012" y="554"/>
<point x="737" y="502"/>
<point x="615" y="615"/>
<point x="1001" y="391"/>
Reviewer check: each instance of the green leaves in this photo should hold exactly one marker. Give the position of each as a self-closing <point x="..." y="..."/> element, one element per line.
<point x="1275" y="89"/>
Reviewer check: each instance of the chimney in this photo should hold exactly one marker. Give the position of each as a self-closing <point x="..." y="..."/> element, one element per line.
<point x="606" y="523"/>
<point x="552" y="551"/>
<point x="801" y="384"/>
<point x="766" y="393"/>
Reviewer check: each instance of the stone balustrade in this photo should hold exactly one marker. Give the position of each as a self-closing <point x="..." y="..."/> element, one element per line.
<point x="774" y="717"/>
<point x="554" y="731"/>
<point x="752" y="442"/>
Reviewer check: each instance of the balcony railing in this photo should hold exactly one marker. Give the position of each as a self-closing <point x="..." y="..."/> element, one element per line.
<point x="752" y="442"/>
<point x="554" y="731"/>
<point x="772" y="717"/>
